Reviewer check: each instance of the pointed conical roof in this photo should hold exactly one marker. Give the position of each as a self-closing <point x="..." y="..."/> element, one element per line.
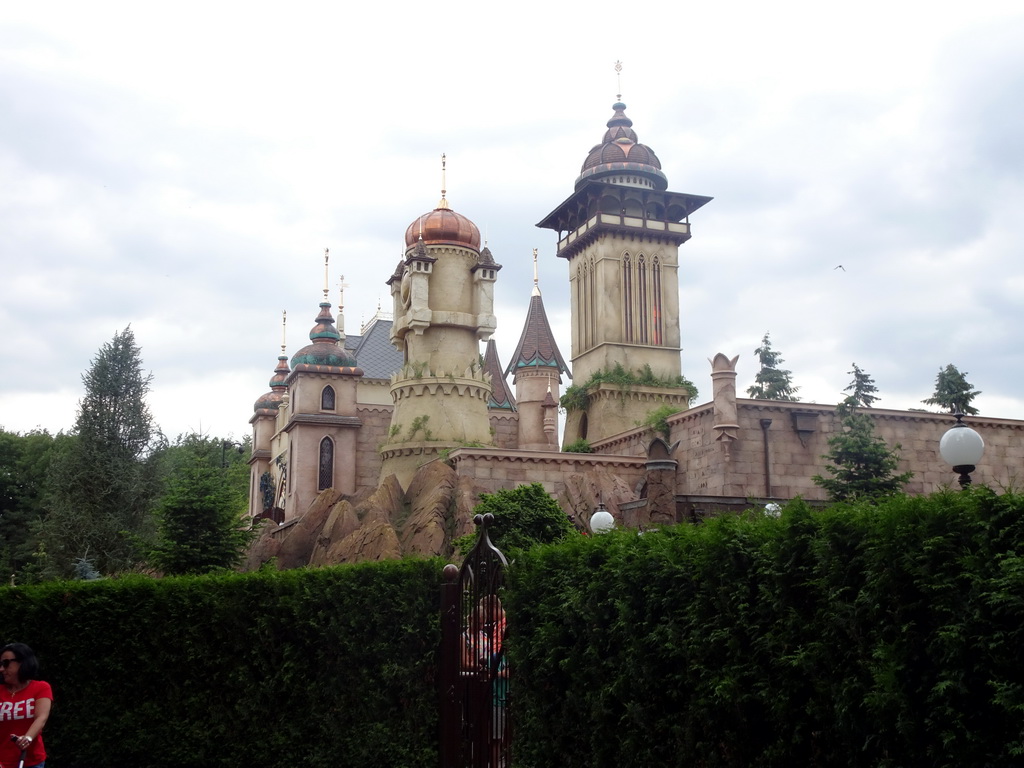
<point x="537" y="344"/>
<point x="501" y="395"/>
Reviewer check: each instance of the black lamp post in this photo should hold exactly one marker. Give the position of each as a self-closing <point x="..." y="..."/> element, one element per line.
<point x="224" y="451"/>
<point x="961" y="447"/>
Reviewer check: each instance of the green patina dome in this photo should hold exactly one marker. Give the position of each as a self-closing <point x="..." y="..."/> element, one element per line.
<point x="326" y="349"/>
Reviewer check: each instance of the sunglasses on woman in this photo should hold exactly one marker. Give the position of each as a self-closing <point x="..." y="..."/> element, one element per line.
<point x="6" y="662"/>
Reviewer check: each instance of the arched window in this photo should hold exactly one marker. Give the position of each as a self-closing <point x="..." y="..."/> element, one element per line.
<point x="327" y="398"/>
<point x="326" y="479"/>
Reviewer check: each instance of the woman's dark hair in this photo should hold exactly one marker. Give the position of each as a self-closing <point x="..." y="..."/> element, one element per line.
<point x="28" y="665"/>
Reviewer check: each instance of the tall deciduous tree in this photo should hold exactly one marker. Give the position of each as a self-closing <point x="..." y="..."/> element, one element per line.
<point x="103" y="483"/>
<point x="953" y="393"/>
<point x="203" y="525"/>
<point x="771" y="381"/>
<point x="860" y="464"/>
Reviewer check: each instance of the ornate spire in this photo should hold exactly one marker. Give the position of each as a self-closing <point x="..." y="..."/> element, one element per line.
<point x="537" y="347"/>
<point x="271" y="401"/>
<point x="342" y="285"/>
<point x="536" y="283"/>
<point x="501" y="395"/>
<point x="444" y="201"/>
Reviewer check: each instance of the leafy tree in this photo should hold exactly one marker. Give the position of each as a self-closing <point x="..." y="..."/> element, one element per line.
<point x="862" y="389"/>
<point x="861" y="465"/>
<point x="953" y="393"/>
<point x="103" y="483"/>
<point x="771" y="382"/>
<point x="201" y="517"/>
<point x="24" y="466"/>
<point x="523" y="517"/>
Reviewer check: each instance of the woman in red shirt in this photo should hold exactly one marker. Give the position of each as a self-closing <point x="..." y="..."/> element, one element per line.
<point x="24" y="707"/>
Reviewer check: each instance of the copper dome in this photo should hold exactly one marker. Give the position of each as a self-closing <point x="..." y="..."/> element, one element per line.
<point x="619" y="152"/>
<point x="443" y="226"/>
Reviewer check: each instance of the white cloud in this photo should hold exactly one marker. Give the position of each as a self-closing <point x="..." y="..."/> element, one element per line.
<point x="181" y="169"/>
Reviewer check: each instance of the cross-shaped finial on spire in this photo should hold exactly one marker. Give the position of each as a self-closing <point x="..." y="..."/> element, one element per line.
<point x="342" y="285"/>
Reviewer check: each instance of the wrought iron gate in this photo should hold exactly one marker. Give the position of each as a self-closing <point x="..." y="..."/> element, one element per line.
<point x="475" y="728"/>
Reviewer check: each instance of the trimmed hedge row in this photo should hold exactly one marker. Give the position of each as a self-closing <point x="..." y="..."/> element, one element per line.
<point x="861" y="635"/>
<point x="328" y="667"/>
<point x="886" y="635"/>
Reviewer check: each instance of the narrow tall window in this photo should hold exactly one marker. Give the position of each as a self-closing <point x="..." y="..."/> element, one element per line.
<point x="326" y="479"/>
<point x="327" y="398"/>
<point x="592" y="287"/>
<point x="656" y="304"/>
<point x="642" y="300"/>
<point x="627" y="297"/>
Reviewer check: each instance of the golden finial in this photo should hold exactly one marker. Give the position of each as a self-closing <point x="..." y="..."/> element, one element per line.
<point x="327" y="287"/>
<point x="284" y="329"/>
<point x="444" y="202"/>
<point x="618" y="80"/>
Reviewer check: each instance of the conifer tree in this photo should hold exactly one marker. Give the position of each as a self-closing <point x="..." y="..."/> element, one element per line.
<point x="953" y="393"/>
<point x="201" y="517"/>
<point x="771" y="382"/>
<point x="860" y="464"/>
<point x="103" y="483"/>
<point x="862" y="389"/>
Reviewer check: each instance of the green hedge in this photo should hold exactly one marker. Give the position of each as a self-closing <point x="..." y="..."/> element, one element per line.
<point x="331" y="667"/>
<point x="887" y="635"/>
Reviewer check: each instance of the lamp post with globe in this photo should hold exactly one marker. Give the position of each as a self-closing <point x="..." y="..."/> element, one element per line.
<point x="961" y="447"/>
<point x="601" y="521"/>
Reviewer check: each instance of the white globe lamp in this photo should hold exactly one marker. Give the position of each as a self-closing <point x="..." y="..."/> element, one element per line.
<point x="961" y="447"/>
<point x="601" y="521"/>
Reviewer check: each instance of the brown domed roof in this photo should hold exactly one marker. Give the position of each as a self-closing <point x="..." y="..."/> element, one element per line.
<point x="619" y="152"/>
<point x="443" y="226"/>
<point x="271" y="401"/>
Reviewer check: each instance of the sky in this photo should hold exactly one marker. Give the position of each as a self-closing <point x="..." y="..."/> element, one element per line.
<point x="180" y="168"/>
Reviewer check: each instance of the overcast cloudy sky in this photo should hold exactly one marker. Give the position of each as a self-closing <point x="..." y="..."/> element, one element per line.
<point x="181" y="167"/>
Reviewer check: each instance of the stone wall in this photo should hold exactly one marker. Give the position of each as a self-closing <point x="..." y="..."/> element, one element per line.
<point x="734" y="464"/>
<point x="376" y="421"/>
<point x="505" y="427"/>
<point x="577" y="480"/>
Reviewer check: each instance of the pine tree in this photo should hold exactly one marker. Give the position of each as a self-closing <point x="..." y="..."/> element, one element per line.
<point x="103" y="483"/>
<point x="202" y="518"/>
<point x="862" y="389"/>
<point x="861" y="465"/>
<point x="771" y="382"/>
<point x="24" y="466"/>
<point x="953" y="393"/>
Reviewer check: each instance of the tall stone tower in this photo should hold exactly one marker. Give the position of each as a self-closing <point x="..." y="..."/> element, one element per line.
<point x="536" y="367"/>
<point x="321" y="421"/>
<point x="620" y="231"/>
<point x="443" y="294"/>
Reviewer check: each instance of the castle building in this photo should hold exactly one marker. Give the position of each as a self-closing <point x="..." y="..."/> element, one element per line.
<point x="378" y="444"/>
